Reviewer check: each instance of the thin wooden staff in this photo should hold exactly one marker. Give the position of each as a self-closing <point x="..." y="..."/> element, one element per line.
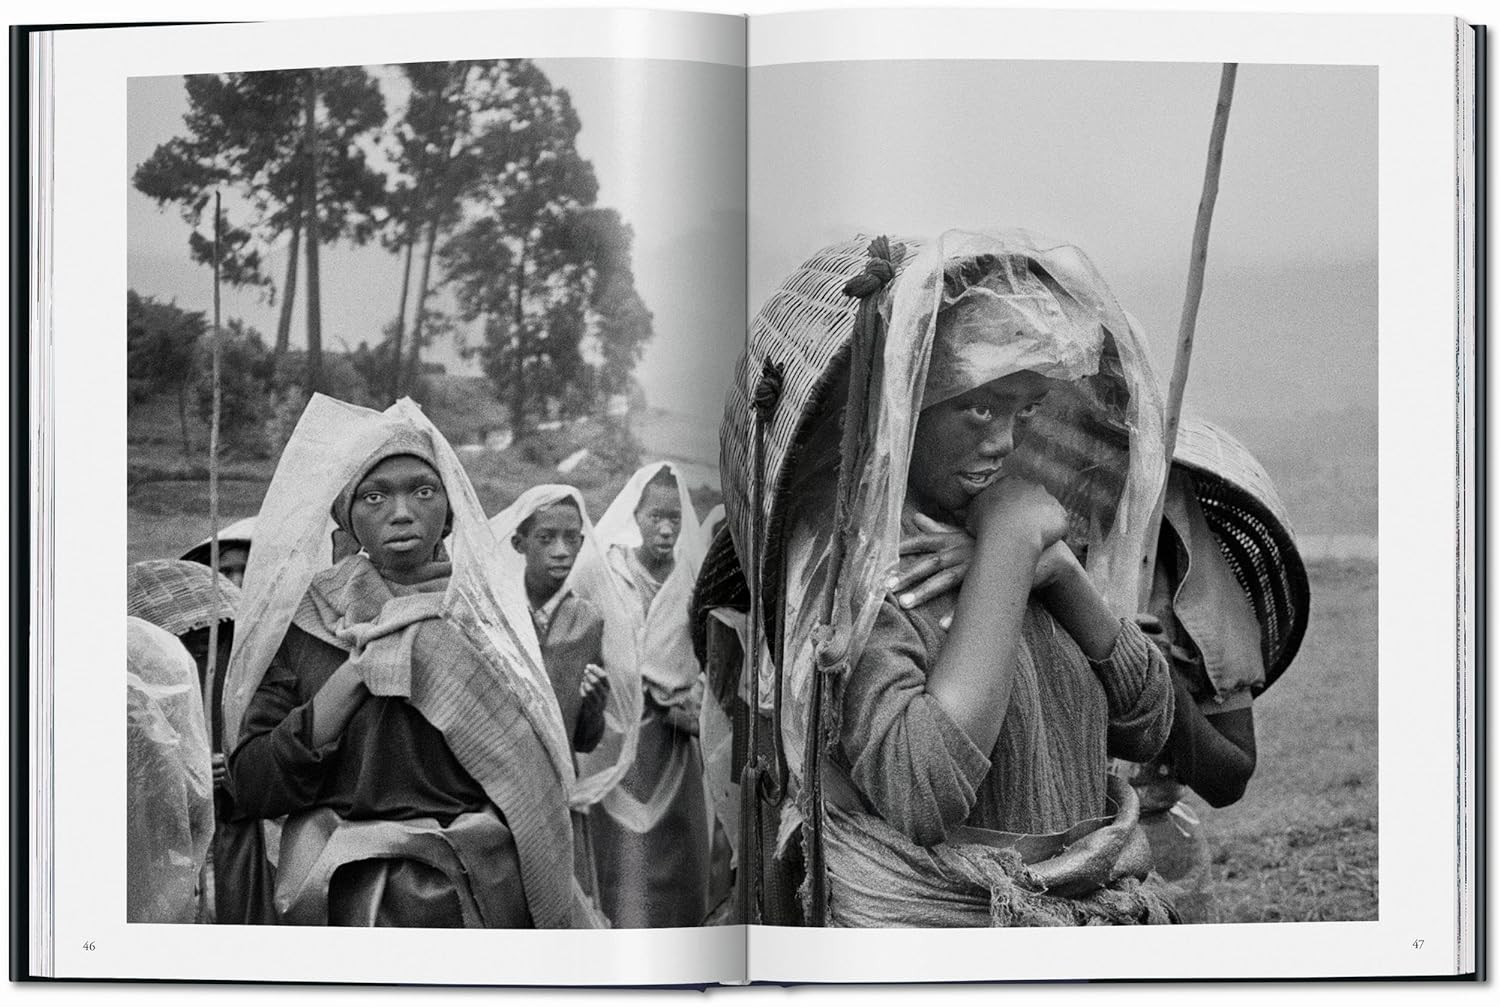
<point x="1189" y="323"/>
<point x="211" y="673"/>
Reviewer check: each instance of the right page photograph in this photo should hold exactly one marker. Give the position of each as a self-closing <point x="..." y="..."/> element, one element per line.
<point x="1027" y="659"/>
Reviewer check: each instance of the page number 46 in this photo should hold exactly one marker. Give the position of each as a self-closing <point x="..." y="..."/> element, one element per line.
<point x="88" y="945"/>
<point x="1417" y="944"/>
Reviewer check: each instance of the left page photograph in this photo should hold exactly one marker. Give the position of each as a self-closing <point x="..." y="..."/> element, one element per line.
<point x="388" y="353"/>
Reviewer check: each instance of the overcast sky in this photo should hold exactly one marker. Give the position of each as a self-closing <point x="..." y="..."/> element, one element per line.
<point x="1109" y="156"/>
<point x="667" y="142"/>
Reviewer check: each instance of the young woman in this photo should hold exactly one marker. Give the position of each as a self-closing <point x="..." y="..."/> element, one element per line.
<point x="403" y="720"/>
<point x="651" y="832"/>
<point x="968" y="737"/>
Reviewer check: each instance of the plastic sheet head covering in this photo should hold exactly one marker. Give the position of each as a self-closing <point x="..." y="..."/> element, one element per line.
<point x="169" y="778"/>
<point x="332" y="445"/>
<point x="618" y="527"/>
<point x="668" y="665"/>
<point x="1016" y="302"/>
<point x="238" y="534"/>
<point x="601" y="769"/>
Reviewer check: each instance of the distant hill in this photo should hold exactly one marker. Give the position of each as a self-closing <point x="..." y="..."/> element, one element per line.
<point x="1324" y="465"/>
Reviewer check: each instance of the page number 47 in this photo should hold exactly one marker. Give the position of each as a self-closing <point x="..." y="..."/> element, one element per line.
<point x="1417" y="944"/>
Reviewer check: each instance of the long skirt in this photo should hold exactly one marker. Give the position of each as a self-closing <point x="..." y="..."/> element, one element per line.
<point x="244" y="880"/>
<point x="651" y="841"/>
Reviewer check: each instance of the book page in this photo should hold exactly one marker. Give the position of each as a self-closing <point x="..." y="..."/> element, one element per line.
<point x="530" y="237"/>
<point x="1322" y="395"/>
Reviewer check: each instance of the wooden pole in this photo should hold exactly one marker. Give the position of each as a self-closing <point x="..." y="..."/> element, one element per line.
<point x="1189" y="322"/>
<point x="212" y="670"/>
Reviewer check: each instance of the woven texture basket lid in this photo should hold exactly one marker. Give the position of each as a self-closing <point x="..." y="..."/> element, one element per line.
<point x="178" y="595"/>
<point x="804" y="327"/>
<point x="1254" y="533"/>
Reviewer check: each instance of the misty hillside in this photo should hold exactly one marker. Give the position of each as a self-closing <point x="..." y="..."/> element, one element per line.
<point x="1323" y="464"/>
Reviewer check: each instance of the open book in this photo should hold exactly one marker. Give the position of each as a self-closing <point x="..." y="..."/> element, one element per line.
<point x="618" y="498"/>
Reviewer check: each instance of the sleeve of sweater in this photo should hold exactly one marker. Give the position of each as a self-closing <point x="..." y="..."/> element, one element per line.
<point x="275" y="770"/>
<point x="915" y="766"/>
<point x="1138" y="687"/>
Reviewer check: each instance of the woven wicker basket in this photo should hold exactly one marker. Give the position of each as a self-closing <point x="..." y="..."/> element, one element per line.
<point x="805" y="327"/>
<point x="1254" y="533"/>
<point x="178" y="595"/>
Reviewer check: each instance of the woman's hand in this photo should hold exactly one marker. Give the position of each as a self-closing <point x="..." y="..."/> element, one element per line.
<point x="335" y="703"/>
<point x="936" y="561"/>
<point x="1021" y="511"/>
<point x="933" y="562"/>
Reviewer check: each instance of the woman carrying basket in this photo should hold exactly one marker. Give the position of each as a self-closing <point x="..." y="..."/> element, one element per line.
<point x="957" y="772"/>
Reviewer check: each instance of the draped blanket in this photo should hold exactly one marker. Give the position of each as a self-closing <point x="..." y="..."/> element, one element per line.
<point x="1094" y="874"/>
<point x="403" y="646"/>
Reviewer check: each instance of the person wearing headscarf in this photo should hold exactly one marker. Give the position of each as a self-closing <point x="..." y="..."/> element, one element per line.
<point x="401" y="722"/>
<point x="579" y="618"/>
<point x="966" y="780"/>
<point x="181" y="597"/>
<point x="651" y="832"/>
<point x="234" y="550"/>
<point x="169" y="790"/>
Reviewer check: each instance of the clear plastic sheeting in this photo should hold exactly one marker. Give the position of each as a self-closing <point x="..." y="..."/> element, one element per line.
<point x="667" y="662"/>
<point x="169" y="779"/>
<point x="590" y="579"/>
<point x="716" y="735"/>
<point x="294" y="542"/>
<point x="1019" y="302"/>
<point x="664" y="648"/>
<point x="328" y="447"/>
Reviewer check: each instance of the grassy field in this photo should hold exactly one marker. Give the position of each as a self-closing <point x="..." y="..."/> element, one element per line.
<point x="167" y="495"/>
<point x="1302" y="843"/>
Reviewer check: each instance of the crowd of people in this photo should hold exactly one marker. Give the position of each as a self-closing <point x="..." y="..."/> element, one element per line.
<point x="431" y="717"/>
<point x="421" y="715"/>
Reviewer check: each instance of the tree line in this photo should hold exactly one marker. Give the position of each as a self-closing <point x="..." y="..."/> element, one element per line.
<point x="474" y="182"/>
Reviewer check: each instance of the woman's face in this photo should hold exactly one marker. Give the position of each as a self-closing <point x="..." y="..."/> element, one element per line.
<point x="398" y="514"/>
<point x="659" y="517"/>
<point x="961" y="442"/>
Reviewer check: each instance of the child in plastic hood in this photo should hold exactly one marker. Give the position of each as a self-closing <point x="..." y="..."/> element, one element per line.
<point x="969" y="784"/>
<point x="652" y="839"/>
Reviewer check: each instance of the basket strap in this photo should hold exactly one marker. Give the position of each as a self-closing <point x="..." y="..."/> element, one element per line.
<point x="832" y="641"/>
<point x="759" y="783"/>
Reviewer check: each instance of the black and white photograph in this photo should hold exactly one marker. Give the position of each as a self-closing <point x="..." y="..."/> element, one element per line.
<point x="618" y="498"/>
<point x="1025" y="667"/>
<point x="457" y="334"/>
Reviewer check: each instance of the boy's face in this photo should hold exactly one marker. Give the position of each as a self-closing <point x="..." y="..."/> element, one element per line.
<point x="659" y="517"/>
<point x="960" y="443"/>
<point x="398" y="514"/>
<point x="551" y="544"/>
